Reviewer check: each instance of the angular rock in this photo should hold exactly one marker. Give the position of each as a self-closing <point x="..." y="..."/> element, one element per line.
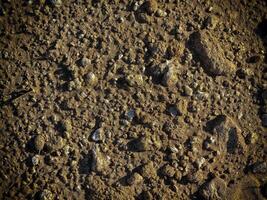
<point x="142" y="144"/>
<point x="134" y="179"/>
<point x="100" y="162"/>
<point x="170" y="77"/>
<point x="228" y="137"/>
<point x="211" y="54"/>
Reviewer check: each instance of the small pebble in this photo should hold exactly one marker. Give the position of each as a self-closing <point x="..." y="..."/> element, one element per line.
<point x="100" y="161"/>
<point x="85" y="62"/>
<point x="170" y="77"/>
<point x="39" y="142"/>
<point x="151" y="6"/>
<point x="130" y="114"/>
<point x="35" y="160"/>
<point x="173" y="111"/>
<point x="98" y="135"/>
<point x="188" y="91"/>
<point x="161" y="13"/>
<point x="91" y="79"/>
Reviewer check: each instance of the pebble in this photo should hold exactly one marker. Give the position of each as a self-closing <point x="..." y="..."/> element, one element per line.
<point x="188" y="91"/>
<point x="98" y="135"/>
<point x="161" y="13"/>
<point x="35" y="160"/>
<point x="85" y="62"/>
<point x="151" y="6"/>
<point x="91" y="79"/>
<point x="100" y="162"/>
<point x="173" y="111"/>
<point x="135" y="179"/>
<point x="39" y="143"/>
<point x="252" y="138"/>
<point x="130" y="114"/>
<point x="170" y="77"/>
<point x="67" y="125"/>
<point x="211" y="22"/>
<point x="182" y="106"/>
<point x="200" y="162"/>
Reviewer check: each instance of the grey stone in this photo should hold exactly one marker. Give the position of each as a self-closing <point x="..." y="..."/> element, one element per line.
<point x="98" y="135"/>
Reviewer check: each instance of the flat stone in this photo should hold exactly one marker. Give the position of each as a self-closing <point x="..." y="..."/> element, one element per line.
<point x="209" y="51"/>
